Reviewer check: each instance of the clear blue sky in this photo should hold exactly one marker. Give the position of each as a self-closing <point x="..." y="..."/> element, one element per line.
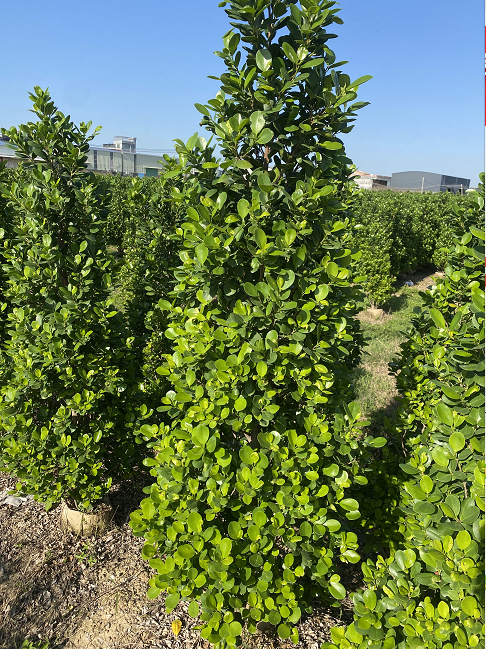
<point x="137" y="68"/>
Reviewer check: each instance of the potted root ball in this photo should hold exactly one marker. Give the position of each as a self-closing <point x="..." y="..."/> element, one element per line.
<point x="91" y="523"/>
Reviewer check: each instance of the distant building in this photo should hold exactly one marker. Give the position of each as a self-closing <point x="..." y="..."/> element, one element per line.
<point x="118" y="157"/>
<point x="122" y="143"/>
<point x="370" y="181"/>
<point x="425" y="181"/>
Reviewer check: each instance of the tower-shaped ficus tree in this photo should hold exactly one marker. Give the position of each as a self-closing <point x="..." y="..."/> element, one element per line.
<point x="68" y="409"/>
<point x="248" y="516"/>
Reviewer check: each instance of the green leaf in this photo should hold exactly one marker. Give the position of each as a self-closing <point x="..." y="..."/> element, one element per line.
<point x="183" y="397"/>
<point x="235" y="629"/>
<point x="457" y="442"/>
<point x="195" y="522"/>
<point x="193" y="609"/>
<point x="244" y="164"/>
<point x="354" y="635"/>
<point x="332" y="146"/>
<point x="264" y="182"/>
<point x="359" y="81"/>
<point x="378" y="442"/>
<point x="337" y="590"/>
<point x="186" y="551"/>
<point x="201" y="253"/>
<point x="284" y="631"/>
<point x="426" y="484"/>
<point x="240" y="404"/>
<point x="261" y="368"/>
<point x="148" y="508"/>
<point x="257" y="121"/>
<point x="469" y="605"/>
<point x="290" y="53"/>
<point x="369" y="599"/>
<point x="260" y="238"/>
<point x="322" y="292"/>
<point x="271" y="339"/>
<point x="451" y="394"/>
<point x="439" y="456"/>
<point x="288" y="278"/>
<point x="349" y="504"/>
<point x="444" y="413"/>
<point x="264" y="137"/>
<point x="153" y="592"/>
<point x="200" y="435"/>
<point x="330" y="471"/>
<point x="263" y="60"/>
<point x="463" y="540"/>
<point x="243" y="207"/>
<point x="305" y="529"/>
<point x="234" y="530"/>
<point x="313" y="63"/>
<point x="202" y="109"/>
<point x="225" y="547"/>
<point x="438" y="318"/>
<point x="250" y="289"/>
<point x="332" y="269"/>
<point x="171" y="601"/>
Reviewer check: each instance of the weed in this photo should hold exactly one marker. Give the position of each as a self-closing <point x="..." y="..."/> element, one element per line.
<point x="28" y="644"/>
<point x="85" y="555"/>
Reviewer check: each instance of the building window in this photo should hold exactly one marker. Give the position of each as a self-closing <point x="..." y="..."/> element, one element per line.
<point x="111" y="160"/>
<point x="95" y="159"/>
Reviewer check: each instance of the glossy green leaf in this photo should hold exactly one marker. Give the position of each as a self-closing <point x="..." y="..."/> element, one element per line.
<point x="438" y="318"/>
<point x="240" y="404"/>
<point x="444" y="413"/>
<point x="201" y="253"/>
<point x="457" y="441"/>
<point x="337" y="590"/>
<point x="257" y="121"/>
<point x="263" y="60"/>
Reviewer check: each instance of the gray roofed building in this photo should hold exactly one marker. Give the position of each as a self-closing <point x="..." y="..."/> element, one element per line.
<point x="428" y="182"/>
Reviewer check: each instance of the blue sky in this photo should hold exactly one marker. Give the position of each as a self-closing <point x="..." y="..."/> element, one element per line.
<point x="137" y="68"/>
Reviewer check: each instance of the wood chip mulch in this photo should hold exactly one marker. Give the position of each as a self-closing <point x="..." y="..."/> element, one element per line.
<point x="91" y="593"/>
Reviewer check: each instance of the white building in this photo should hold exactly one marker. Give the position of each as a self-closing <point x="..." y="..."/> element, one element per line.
<point x="370" y="181"/>
<point x="118" y="157"/>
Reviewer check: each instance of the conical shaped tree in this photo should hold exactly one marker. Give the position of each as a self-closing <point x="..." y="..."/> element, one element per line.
<point x="249" y="508"/>
<point x="67" y="413"/>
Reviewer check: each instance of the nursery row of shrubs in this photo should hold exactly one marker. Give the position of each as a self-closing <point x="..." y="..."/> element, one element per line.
<point x="395" y="232"/>
<point x="228" y="371"/>
<point x="402" y="232"/>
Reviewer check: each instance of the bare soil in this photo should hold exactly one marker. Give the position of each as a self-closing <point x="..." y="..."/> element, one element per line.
<point x="80" y="593"/>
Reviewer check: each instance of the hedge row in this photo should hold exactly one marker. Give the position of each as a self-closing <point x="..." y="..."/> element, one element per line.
<point x="401" y="232"/>
<point x="396" y="233"/>
<point x="429" y="591"/>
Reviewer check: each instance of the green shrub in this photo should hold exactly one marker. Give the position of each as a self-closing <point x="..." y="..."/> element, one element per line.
<point x="120" y="208"/>
<point x="150" y="251"/>
<point x="401" y="232"/>
<point x="68" y="410"/>
<point x="249" y="514"/>
<point x="430" y="592"/>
